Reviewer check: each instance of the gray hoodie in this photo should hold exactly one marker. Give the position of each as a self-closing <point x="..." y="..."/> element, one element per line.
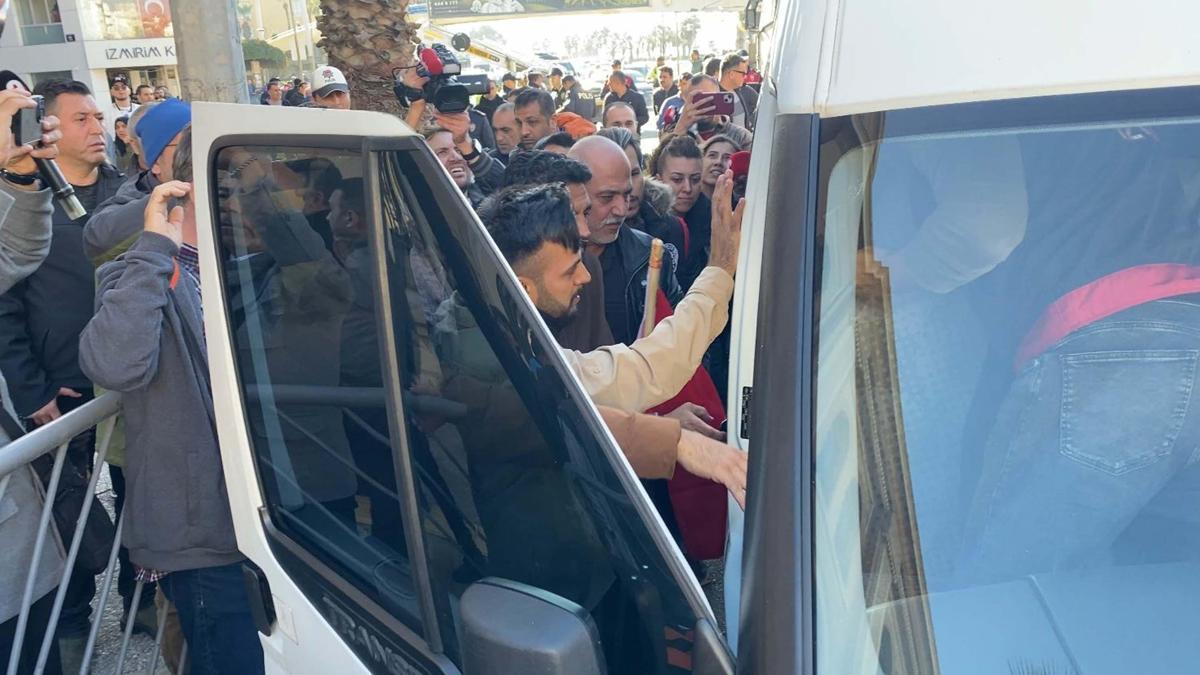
<point x="138" y="343"/>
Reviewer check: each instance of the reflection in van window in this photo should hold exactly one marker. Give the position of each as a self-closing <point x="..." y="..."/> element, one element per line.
<point x="1009" y="338"/>
<point x="298" y="287"/>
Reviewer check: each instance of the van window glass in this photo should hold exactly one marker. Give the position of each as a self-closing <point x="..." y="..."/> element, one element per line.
<point x="300" y="299"/>
<point x="512" y="481"/>
<point x="1007" y="425"/>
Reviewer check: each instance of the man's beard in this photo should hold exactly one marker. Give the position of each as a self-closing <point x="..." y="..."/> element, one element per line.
<point x="557" y="316"/>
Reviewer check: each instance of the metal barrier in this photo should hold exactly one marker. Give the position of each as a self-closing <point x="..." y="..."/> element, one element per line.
<point x="15" y="456"/>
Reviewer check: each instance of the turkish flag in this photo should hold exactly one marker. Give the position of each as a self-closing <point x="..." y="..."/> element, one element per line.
<point x="700" y="504"/>
<point x="156" y="16"/>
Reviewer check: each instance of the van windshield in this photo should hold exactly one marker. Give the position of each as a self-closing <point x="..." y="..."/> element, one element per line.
<point x="1008" y="432"/>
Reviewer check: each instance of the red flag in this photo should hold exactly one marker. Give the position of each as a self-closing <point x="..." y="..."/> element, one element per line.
<point x="700" y="504"/>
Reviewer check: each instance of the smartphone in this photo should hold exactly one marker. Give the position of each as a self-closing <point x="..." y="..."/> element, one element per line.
<point x="27" y="123"/>
<point x="722" y="101"/>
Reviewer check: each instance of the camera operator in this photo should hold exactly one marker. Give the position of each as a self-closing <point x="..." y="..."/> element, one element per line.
<point x="25" y="212"/>
<point x="489" y="173"/>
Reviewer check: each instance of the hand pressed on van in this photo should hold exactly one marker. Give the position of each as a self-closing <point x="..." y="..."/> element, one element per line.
<point x="712" y="459"/>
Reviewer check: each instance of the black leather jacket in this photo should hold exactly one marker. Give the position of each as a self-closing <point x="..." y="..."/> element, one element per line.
<point x="634" y="248"/>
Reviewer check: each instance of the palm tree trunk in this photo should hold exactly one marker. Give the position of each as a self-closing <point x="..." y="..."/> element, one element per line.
<point x="367" y="40"/>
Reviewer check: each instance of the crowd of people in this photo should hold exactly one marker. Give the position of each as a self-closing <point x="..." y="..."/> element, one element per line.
<point x="111" y="301"/>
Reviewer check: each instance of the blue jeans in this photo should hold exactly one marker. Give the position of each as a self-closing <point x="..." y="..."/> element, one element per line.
<point x="1089" y="435"/>
<point x="214" y="611"/>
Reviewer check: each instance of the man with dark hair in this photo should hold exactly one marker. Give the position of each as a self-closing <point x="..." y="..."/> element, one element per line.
<point x="489" y="102"/>
<point x="42" y="316"/>
<point x="556" y="86"/>
<point x="273" y="94"/>
<point x="574" y="100"/>
<point x="589" y="329"/>
<point x="535" y="116"/>
<point x="621" y="92"/>
<point x="666" y="87"/>
<point x="620" y="115"/>
<point x="144" y="94"/>
<point x="712" y="68"/>
<point x="122" y="102"/>
<point x="532" y="228"/>
<point x="558" y="143"/>
<point x="509" y="83"/>
<point x="733" y="78"/>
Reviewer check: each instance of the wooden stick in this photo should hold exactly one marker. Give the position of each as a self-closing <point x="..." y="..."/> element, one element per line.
<point x="653" y="274"/>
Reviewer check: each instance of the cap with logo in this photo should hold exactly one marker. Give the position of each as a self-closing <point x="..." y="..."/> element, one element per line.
<point x="119" y="78"/>
<point x="326" y="80"/>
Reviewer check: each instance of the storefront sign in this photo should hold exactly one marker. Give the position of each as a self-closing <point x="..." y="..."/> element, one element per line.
<point x="131" y="53"/>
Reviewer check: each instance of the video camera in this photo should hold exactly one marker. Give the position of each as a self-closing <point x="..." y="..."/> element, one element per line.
<point x="444" y="90"/>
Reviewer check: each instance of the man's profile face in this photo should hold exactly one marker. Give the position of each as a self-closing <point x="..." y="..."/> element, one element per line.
<point x="623" y="117"/>
<point x="554" y="278"/>
<point x="617" y="84"/>
<point x="665" y="80"/>
<point x="637" y="179"/>
<point x="82" y="128"/>
<point x="533" y="124"/>
<point x="581" y="205"/>
<point x="344" y="221"/>
<point x="504" y="125"/>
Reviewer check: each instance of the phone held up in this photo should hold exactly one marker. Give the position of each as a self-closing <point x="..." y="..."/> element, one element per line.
<point x="27" y="123"/>
<point x="722" y="101"/>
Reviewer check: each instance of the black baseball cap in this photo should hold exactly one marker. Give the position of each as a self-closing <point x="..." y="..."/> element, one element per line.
<point x="508" y="77"/>
<point x="556" y="72"/>
<point x="119" y="78"/>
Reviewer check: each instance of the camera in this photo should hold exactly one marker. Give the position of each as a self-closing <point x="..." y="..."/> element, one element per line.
<point x="445" y="90"/>
<point x="27" y="123"/>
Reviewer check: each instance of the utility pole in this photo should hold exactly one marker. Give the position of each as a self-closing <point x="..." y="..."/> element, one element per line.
<point x="208" y="46"/>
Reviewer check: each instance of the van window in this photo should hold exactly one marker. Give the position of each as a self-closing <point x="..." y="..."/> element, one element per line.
<point x="292" y="229"/>
<point x="512" y="480"/>
<point x="1006" y="462"/>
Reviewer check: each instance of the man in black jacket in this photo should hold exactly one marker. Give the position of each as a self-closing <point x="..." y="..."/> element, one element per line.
<point x="624" y="252"/>
<point x="42" y="316"/>
<point x="619" y="90"/>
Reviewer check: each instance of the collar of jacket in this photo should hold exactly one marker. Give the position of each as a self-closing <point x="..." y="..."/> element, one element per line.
<point x="634" y="248"/>
<point x="109" y="182"/>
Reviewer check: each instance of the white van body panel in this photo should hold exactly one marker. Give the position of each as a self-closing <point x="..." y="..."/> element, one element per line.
<point x="879" y="55"/>
<point x="302" y="641"/>
<point x="840" y="57"/>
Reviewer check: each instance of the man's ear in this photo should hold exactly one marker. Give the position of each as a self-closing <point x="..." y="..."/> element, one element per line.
<point x="530" y="288"/>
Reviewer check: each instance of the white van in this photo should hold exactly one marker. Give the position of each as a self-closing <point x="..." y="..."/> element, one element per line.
<point x="965" y="349"/>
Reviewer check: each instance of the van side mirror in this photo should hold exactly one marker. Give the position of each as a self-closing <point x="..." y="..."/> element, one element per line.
<point x="510" y="627"/>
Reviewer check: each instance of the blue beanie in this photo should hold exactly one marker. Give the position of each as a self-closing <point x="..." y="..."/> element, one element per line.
<point x="159" y="126"/>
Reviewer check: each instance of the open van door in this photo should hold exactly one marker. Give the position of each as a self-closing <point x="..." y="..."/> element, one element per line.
<point x="418" y="481"/>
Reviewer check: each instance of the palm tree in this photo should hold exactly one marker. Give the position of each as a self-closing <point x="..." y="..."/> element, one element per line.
<point x="367" y="41"/>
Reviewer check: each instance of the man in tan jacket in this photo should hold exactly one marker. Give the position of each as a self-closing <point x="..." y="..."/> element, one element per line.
<point x="535" y="230"/>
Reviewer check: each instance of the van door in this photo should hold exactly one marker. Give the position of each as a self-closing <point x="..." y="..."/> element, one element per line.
<point x="397" y="425"/>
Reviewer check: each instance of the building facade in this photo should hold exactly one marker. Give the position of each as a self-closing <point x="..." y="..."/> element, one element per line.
<point x="91" y="41"/>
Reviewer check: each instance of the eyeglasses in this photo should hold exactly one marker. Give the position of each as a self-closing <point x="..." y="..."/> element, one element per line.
<point x="741" y="72"/>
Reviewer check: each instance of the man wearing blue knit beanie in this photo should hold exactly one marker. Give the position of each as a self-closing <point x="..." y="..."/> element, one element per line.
<point x="118" y="222"/>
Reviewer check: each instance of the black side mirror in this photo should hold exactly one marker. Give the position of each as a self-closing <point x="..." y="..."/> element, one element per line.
<point x="509" y="627"/>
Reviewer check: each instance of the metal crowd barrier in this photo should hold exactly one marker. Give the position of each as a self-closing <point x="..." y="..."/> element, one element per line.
<point x="55" y="437"/>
